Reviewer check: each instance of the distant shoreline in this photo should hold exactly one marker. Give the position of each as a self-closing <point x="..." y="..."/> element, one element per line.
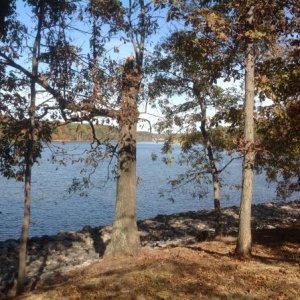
<point x="114" y="141"/>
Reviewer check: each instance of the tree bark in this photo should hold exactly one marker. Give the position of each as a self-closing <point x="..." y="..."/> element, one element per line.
<point x="125" y="239"/>
<point x="29" y="159"/>
<point x="213" y="171"/>
<point x="244" y="241"/>
<point x="25" y="227"/>
<point x="217" y="202"/>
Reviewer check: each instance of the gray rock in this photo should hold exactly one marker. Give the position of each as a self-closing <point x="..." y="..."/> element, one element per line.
<point x="48" y="255"/>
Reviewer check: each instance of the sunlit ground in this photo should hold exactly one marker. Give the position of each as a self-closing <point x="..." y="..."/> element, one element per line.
<point x="205" y="270"/>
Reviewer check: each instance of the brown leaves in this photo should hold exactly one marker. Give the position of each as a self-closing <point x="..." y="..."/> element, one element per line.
<point x="244" y="146"/>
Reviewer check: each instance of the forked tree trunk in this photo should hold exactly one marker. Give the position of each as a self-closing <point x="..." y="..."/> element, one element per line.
<point x="125" y="239"/>
<point x="244" y="241"/>
<point x="29" y="160"/>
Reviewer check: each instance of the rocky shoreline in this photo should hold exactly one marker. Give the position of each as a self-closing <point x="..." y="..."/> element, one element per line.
<point x="50" y="255"/>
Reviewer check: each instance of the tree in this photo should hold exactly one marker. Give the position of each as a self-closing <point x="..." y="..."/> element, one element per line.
<point x="125" y="238"/>
<point x="188" y="64"/>
<point x="261" y="32"/>
<point x="29" y="153"/>
<point x="23" y="130"/>
<point x="278" y="123"/>
<point x="7" y="8"/>
<point x="84" y="86"/>
<point x="134" y="23"/>
<point x="244" y="241"/>
<point x="245" y="26"/>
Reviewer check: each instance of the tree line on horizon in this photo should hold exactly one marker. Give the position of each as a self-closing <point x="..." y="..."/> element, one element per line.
<point x="82" y="133"/>
<point x="252" y="42"/>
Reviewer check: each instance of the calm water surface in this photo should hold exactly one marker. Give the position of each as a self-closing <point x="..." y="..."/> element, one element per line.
<point x="54" y="209"/>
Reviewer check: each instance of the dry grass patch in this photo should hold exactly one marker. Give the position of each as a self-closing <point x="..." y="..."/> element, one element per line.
<point x="204" y="270"/>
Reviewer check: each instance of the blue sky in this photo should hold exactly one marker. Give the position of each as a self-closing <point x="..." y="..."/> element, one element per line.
<point x="81" y="39"/>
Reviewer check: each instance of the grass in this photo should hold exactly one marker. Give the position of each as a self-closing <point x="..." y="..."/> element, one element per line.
<point x="205" y="270"/>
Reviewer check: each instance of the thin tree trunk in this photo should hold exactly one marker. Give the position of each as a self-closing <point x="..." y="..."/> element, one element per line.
<point x="217" y="203"/>
<point x="215" y="180"/>
<point x="216" y="183"/>
<point x="25" y="228"/>
<point x="125" y="239"/>
<point x="29" y="162"/>
<point x="213" y="171"/>
<point x="244" y="241"/>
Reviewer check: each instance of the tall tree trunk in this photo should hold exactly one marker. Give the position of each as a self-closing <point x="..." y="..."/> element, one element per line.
<point x="25" y="227"/>
<point x="213" y="170"/>
<point x="125" y="239"/>
<point x="244" y="241"/>
<point x="29" y="159"/>
<point x="217" y="202"/>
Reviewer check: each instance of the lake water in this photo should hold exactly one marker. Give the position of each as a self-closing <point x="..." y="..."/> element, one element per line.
<point x="54" y="209"/>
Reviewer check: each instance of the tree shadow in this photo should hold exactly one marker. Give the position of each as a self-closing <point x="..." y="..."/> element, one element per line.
<point x="56" y="249"/>
<point x="283" y="243"/>
<point x="42" y="248"/>
<point x="98" y="241"/>
<point x="40" y="271"/>
<point x="277" y="236"/>
<point x="184" y="228"/>
<point x="155" y="278"/>
<point x="280" y="244"/>
<point x="269" y="214"/>
<point x="46" y="248"/>
<point x="212" y="253"/>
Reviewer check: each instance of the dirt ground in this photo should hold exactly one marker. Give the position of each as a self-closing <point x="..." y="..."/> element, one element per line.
<point x="205" y="270"/>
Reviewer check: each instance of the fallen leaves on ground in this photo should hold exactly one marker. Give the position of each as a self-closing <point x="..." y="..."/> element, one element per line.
<point x="206" y="270"/>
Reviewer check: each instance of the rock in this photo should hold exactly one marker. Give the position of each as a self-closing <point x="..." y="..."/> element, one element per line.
<point x="50" y="255"/>
<point x="87" y="228"/>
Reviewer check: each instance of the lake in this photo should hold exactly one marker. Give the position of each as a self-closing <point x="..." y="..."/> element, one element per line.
<point x="54" y="209"/>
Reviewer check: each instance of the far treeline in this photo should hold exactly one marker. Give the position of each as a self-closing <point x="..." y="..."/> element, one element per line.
<point x="90" y="61"/>
<point x="82" y="133"/>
